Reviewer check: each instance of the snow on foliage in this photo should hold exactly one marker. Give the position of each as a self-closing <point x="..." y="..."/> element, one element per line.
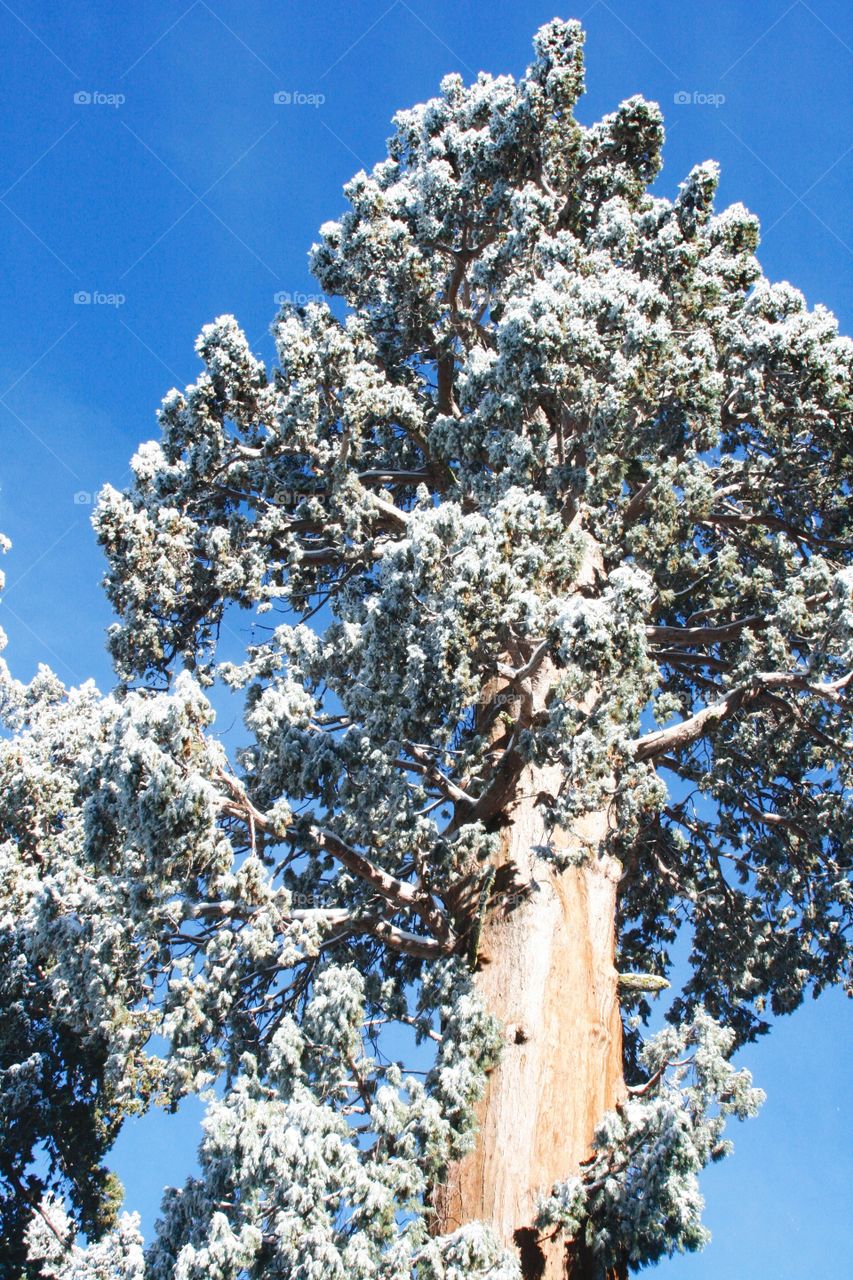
<point x="564" y="422"/>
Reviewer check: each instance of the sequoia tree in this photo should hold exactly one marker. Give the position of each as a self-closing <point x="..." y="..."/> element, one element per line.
<point x="550" y="519"/>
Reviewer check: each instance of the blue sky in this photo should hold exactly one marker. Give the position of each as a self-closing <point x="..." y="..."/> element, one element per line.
<point x="146" y="163"/>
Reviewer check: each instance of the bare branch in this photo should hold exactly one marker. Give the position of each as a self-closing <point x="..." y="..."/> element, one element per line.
<point x="377" y="926"/>
<point x="516" y="675"/>
<point x="637" y="504"/>
<point x="705" y="635"/>
<point x="398" y="893"/>
<point x="392" y="513"/>
<point x="431" y="771"/>
<point x="687" y="731"/>
<point x="401" y="939"/>
<point x="743" y="520"/>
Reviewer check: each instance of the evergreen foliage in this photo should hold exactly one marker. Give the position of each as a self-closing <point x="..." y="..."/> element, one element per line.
<point x="541" y="366"/>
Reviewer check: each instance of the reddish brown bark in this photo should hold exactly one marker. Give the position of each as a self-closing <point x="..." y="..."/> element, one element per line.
<point x="545" y="968"/>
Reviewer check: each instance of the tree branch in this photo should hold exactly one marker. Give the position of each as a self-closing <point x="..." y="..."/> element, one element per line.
<point x="398" y="893"/>
<point x="705" y="635"/>
<point x="430" y="770"/>
<point x="687" y="731"/>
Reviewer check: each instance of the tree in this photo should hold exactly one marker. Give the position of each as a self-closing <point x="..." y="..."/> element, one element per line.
<point x="567" y="494"/>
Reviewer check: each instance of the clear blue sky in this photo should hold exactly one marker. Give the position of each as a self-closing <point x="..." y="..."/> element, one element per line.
<point x="183" y="187"/>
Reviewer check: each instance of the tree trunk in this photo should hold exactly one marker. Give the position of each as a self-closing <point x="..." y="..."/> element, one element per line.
<point x="545" y="968"/>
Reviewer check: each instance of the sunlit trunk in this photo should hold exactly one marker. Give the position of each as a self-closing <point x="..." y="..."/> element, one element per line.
<point x="546" y="971"/>
<point x="545" y="968"/>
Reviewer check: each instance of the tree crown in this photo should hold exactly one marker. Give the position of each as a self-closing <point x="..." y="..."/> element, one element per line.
<point x="564" y="427"/>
